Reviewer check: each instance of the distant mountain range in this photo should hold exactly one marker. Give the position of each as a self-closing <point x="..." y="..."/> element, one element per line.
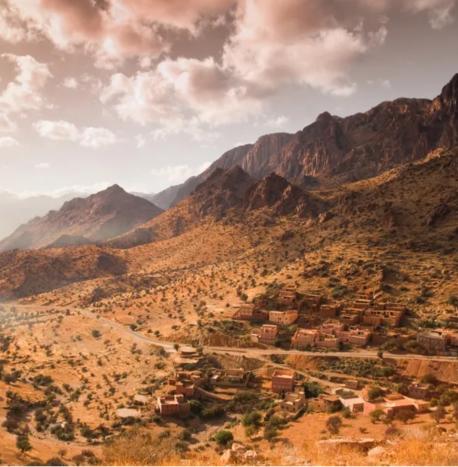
<point x="96" y="218"/>
<point x="334" y="150"/>
<point x="279" y="172"/>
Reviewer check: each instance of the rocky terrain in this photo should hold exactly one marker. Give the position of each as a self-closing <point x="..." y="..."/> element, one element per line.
<point x="336" y="150"/>
<point x="91" y="335"/>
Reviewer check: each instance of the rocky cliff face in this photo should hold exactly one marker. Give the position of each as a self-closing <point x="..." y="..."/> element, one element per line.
<point x="97" y="218"/>
<point x="335" y="149"/>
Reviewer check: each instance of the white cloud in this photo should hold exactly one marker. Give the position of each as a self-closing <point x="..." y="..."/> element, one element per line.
<point x="70" y="83"/>
<point x="95" y="138"/>
<point x="178" y="173"/>
<point x="25" y="92"/>
<point x="440" y="12"/>
<point x="61" y="130"/>
<point x="8" y="142"/>
<point x="6" y="124"/>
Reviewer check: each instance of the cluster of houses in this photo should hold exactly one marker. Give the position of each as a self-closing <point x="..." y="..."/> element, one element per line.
<point x="190" y="384"/>
<point x="392" y="404"/>
<point x="322" y="324"/>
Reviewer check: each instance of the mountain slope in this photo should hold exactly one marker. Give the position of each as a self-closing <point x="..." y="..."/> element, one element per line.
<point x="15" y="210"/>
<point x="99" y="217"/>
<point x="337" y="150"/>
<point x="227" y="195"/>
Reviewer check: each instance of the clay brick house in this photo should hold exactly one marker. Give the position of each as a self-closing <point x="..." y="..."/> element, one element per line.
<point x="354" y="404"/>
<point x="332" y="327"/>
<point x="266" y="334"/>
<point x="350" y="316"/>
<point x="375" y="317"/>
<point x="260" y="316"/>
<point x="284" y="318"/>
<point x="355" y="336"/>
<point x="243" y="311"/>
<point x="433" y="341"/>
<point x="287" y="296"/>
<point x="303" y="338"/>
<point x="173" y="405"/>
<point x="236" y="377"/>
<point x="282" y="381"/>
<point x="293" y="402"/>
<point x="328" y="341"/>
<point x="312" y="300"/>
<point x="329" y="310"/>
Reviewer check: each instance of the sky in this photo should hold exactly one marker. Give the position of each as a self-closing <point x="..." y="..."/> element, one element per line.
<point x="146" y="93"/>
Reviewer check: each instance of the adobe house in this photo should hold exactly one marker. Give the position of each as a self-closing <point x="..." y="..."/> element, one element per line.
<point x="293" y="402"/>
<point x="312" y="301"/>
<point x="287" y="296"/>
<point x="304" y="338"/>
<point x="350" y="316"/>
<point x="376" y="317"/>
<point x="332" y="326"/>
<point x="173" y="405"/>
<point x="268" y="333"/>
<point x="329" y="310"/>
<point x="328" y="341"/>
<point x="282" y="381"/>
<point x="236" y="377"/>
<point x="284" y="318"/>
<point x="433" y="341"/>
<point x="243" y="311"/>
<point x="354" y="403"/>
<point x="355" y="336"/>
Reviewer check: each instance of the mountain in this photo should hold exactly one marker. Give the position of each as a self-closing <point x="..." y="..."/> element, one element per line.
<point x="337" y="150"/>
<point x="15" y="210"/>
<point x="229" y="195"/>
<point x="99" y="217"/>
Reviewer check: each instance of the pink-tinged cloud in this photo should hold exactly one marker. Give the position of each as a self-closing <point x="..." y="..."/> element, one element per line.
<point x="25" y="92"/>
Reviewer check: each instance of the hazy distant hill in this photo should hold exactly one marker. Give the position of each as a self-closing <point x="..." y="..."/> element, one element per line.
<point x="99" y="217"/>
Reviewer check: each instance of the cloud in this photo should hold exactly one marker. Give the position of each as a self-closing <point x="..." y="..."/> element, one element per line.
<point x="200" y="92"/>
<point x="6" y="124"/>
<point x="440" y="12"/>
<point x="110" y="30"/>
<point x="312" y="43"/>
<point x="25" y="92"/>
<point x="70" y="83"/>
<point x="8" y="142"/>
<point x="97" y="137"/>
<point x="60" y="130"/>
<point x="178" y="173"/>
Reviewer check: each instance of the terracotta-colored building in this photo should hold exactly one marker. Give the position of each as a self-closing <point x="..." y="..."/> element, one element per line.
<point x="284" y="318"/>
<point x="243" y="311"/>
<point x="304" y="338"/>
<point x="173" y="405"/>
<point x="266" y="334"/>
<point x="282" y="381"/>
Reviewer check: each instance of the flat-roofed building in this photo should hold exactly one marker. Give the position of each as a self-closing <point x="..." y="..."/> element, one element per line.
<point x="303" y="338"/>
<point x="243" y="311"/>
<point x="432" y="341"/>
<point x="283" y="381"/>
<point x="284" y="318"/>
<point x="173" y="405"/>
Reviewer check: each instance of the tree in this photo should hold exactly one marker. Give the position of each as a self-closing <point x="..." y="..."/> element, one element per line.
<point x="333" y="424"/>
<point x="406" y="414"/>
<point x="224" y="437"/>
<point x="374" y="393"/>
<point x="312" y="389"/>
<point x="376" y="415"/>
<point x="438" y="414"/>
<point x="23" y="443"/>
